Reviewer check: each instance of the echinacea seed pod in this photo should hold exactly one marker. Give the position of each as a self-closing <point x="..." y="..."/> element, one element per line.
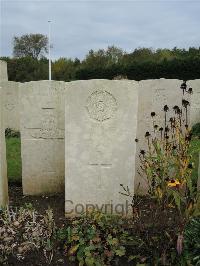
<point x="183" y="85"/>
<point x="190" y="91"/>
<point x="166" y="108"/>
<point x="153" y="114"/>
<point x="185" y="103"/>
<point x="188" y="138"/>
<point x="155" y="126"/>
<point x="136" y="140"/>
<point x="175" y="107"/>
<point x="147" y="134"/>
<point x="166" y="129"/>
<point x="161" y="129"/>
<point x="142" y="152"/>
<point x="190" y="166"/>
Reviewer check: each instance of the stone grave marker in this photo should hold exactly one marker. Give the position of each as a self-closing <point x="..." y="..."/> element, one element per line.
<point x="3" y="167"/>
<point x="153" y="95"/>
<point x="100" y="131"/>
<point x="11" y="104"/>
<point x="42" y="136"/>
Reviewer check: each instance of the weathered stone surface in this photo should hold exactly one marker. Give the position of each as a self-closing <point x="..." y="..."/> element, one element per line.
<point x="11" y="104"/>
<point x="153" y="95"/>
<point x="195" y="101"/>
<point x="3" y="71"/>
<point x="3" y="167"/>
<point x="42" y="136"/>
<point x="100" y="131"/>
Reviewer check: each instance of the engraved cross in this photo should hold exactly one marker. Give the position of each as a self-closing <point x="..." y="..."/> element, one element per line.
<point x="100" y="167"/>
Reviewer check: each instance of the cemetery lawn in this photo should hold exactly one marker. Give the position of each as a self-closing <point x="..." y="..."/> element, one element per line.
<point x="14" y="164"/>
<point x="195" y="148"/>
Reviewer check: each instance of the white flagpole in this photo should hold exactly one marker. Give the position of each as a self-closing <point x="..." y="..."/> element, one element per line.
<point x="49" y="21"/>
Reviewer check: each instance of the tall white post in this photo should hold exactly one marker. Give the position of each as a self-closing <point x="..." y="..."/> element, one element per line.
<point x="49" y="21"/>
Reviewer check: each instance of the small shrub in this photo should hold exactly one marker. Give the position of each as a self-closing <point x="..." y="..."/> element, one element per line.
<point x="96" y="239"/>
<point x="196" y="130"/>
<point x="167" y="163"/>
<point x="192" y="241"/>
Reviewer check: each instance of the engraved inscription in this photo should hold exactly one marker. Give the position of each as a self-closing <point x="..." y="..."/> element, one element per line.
<point x="49" y="129"/>
<point x="100" y="167"/>
<point x="101" y="105"/>
<point x="9" y="106"/>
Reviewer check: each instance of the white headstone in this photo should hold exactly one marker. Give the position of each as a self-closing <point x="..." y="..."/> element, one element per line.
<point x="11" y="104"/>
<point x="3" y="71"/>
<point x="100" y="131"/>
<point x="153" y="95"/>
<point x="195" y="101"/>
<point x="3" y="167"/>
<point x="42" y="136"/>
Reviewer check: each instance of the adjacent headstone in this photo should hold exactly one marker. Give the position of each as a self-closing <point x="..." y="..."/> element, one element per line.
<point x="3" y="71"/>
<point x="153" y="95"/>
<point x="100" y="131"/>
<point x="42" y="136"/>
<point x="3" y="168"/>
<point x="11" y="104"/>
<point x="195" y="101"/>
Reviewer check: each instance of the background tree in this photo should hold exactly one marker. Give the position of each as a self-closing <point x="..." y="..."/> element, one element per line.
<point x="141" y="63"/>
<point x="30" y="45"/>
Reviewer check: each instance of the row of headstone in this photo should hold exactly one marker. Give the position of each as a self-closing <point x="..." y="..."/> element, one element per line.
<point x="81" y="135"/>
<point x="102" y="121"/>
<point x="161" y="90"/>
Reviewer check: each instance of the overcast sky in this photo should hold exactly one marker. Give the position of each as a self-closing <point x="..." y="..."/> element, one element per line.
<point x="78" y="26"/>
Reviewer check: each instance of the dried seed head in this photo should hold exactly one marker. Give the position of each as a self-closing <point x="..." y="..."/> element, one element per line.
<point x="185" y="103"/>
<point x="147" y="134"/>
<point x="166" y="108"/>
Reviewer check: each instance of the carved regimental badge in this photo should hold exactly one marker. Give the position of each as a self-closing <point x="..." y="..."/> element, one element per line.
<point x="101" y="105"/>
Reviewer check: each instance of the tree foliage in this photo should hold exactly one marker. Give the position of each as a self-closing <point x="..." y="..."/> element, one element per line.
<point x="30" y="45"/>
<point x="142" y="63"/>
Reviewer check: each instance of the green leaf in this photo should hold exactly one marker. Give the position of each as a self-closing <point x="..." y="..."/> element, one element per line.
<point x="177" y="199"/>
<point x="90" y="261"/>
<point x="121" y="251"/>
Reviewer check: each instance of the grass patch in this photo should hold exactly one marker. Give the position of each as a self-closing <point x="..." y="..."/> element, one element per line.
<point x="195" y="149"/>
<point x="14" y="164"/>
